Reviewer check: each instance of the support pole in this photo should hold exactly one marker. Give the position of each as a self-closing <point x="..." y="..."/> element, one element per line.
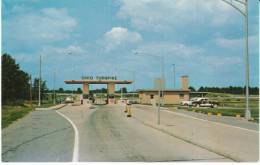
<point x="247" y="113"/>
<point x="31" y="91"/>
<point x="39" y="92"/>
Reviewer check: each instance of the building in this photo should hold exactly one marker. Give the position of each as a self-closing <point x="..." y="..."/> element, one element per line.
<point x="170" y="96"/>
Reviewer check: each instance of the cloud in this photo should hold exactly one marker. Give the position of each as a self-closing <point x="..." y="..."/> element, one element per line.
<point x="167" y="49"/>
<point x="229" y="43"/>
<point x="189" y="58"/>
<point x="239" y="43"/>
<point x="44" y="26"/>
<point x="165" y="15"/>
<point x="73" y="50"/>
<point x="119" y="36"/>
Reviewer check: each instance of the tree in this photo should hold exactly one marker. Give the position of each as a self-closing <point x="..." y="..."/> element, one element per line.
<point x="35" y="89"/>
<point x="79" y="91"/>
<point x="192" y="89"/>
<point x="61" y="90"/>
<point x="124" y="90"/>
<point x="15" y="82"/>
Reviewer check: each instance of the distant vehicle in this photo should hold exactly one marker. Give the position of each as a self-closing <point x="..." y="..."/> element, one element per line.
<point x="188" y="102"/>
<point x="204" y="102"/>
<point x="69" y="100"/>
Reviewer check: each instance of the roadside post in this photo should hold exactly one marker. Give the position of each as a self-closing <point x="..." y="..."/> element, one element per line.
<point x="129" y="113"/>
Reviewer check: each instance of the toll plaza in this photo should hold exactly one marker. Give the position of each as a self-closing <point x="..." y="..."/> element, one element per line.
<point x="111" y="82"/>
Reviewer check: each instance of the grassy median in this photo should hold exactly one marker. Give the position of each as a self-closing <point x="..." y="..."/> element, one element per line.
<point x="225" y="111"/>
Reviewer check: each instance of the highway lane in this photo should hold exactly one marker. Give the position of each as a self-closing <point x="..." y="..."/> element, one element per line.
<point x="106" y="134"/>
<point x="41" y="136"/>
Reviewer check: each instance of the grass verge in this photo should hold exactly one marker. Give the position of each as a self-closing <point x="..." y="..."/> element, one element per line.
<point x="226" y="111"/>
<point x="11" y="113"/>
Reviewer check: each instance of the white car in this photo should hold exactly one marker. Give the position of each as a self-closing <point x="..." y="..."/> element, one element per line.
<point x="188" y="102"/>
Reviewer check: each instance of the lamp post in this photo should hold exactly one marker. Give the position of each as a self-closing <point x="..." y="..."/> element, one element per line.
<point x="173" y="76"/>
<point x="30" y="91"/>
<point x="160" y="89"/>
<point x="39" y="92"/>
<point x="54" y="94"/>
<point x="244" y="12"/>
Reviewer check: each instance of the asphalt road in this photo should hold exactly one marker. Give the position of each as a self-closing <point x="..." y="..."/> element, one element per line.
<point x="41" y="136"/>
<point x="106" y="134"/>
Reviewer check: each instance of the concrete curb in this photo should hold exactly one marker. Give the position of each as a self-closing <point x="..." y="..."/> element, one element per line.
<point x="56" y="107"/>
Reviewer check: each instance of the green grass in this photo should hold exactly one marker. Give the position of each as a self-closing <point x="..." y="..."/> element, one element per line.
<point x="227" y="111"/>
<point x="230" y="105"/>
<point x="11" y="113"/>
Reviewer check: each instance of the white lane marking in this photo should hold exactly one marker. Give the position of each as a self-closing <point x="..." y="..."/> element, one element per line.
<point x="75" y="157"/>
<point x="226" y="125"/>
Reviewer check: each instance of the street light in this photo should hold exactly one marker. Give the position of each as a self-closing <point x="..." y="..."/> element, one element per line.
<point x="173" y="76"/>
<point x="160" y="89"/>
<point x="244" y="11"/>
<point x="39" y="92"/>
<point x="54" y="93"/>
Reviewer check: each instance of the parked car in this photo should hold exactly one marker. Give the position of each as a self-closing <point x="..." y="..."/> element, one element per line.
<point x="188" y="102"/>
<point x="204" y="102"/>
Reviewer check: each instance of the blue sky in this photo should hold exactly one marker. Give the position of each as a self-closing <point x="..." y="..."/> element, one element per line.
<point x="203" y="38"/>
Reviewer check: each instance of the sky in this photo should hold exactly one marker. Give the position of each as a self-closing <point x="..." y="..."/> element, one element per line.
<point x="203" y="38"/>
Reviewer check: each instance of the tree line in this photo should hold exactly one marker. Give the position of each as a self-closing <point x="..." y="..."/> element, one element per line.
<point x="17" y="84"/>
<point x="230" y="89"/>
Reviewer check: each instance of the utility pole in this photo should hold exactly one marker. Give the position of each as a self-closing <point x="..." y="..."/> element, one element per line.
<point x="31" y="91"/>
<point x="248" y="113"/>
<point x="39" y="103"/>
<point x="243" y="9"/>
<point x="54" y="94"/>
<point x="174" y="82"/>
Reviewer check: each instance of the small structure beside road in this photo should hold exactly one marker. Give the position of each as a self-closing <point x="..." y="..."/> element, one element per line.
<point x="170" y="96"/>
